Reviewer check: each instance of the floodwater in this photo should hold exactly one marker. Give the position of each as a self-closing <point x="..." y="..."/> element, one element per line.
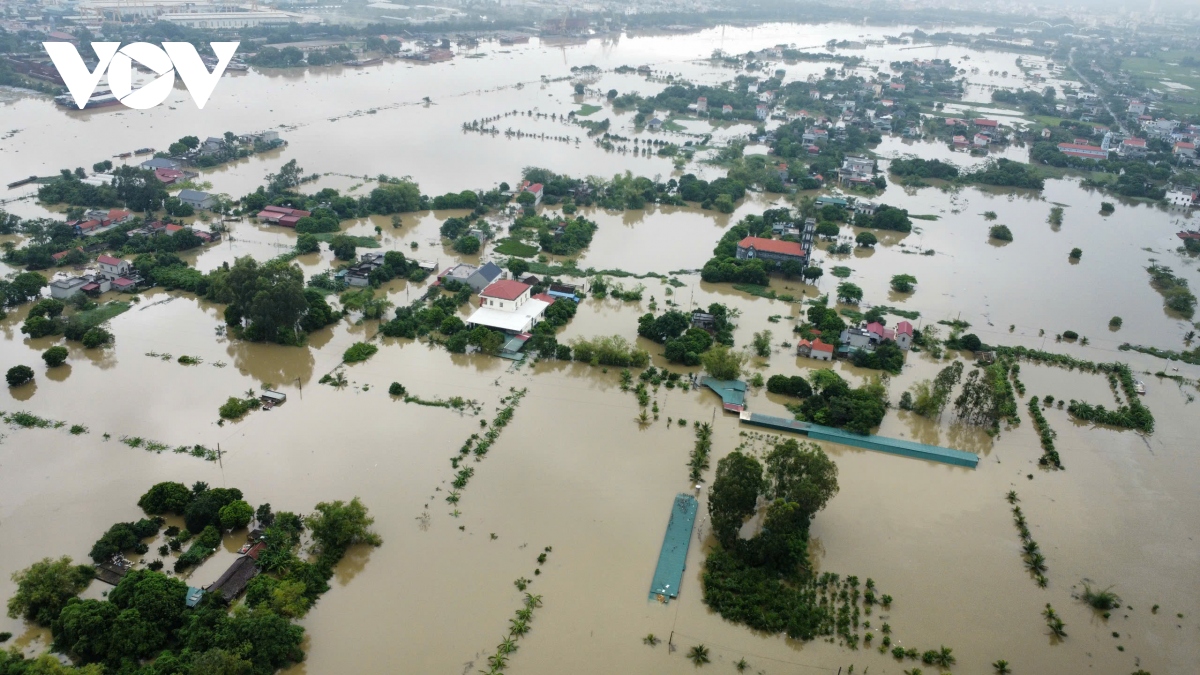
<point x="574" y="470"/>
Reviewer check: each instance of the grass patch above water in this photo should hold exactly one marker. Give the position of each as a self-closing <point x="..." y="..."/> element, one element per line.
<point x="97" y="316"/>
<point x="841" y="272"/>
<point x="924" y="216"/>
<point x="587" y="109"/>
<point x="764" y="292"/>
<point x="515" y="247"/>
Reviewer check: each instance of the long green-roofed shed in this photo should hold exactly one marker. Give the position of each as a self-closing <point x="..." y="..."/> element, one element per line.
<point x="673" y="557"/>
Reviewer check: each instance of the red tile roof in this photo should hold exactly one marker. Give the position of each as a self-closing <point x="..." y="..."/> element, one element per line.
<point x="875" y="327"/>
<point x="506" y="289"/>
<point x="772" y="246"/>
<point x="819" y="346"/>
<point x="986" y="123"/>
<point x="904" y="328"/>
<point x="1077" y="146"/>
<point x="109" y="260"/>
<point x="1134" y="142"/>
<point x="174" y="228"/>
<point x="544" y="297"/>
<point x="122" y="282"/>
<point x="168" y="175"/>
<point x="116" y="214"/>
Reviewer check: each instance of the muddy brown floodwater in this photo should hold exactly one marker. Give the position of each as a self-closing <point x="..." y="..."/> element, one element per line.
<point x="574" y="470"/>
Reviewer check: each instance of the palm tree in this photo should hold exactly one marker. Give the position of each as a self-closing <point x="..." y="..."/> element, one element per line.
<point x="945" y="657"/>
<point x="1036" y="562"/>
<point x="1001" y="667"/>
<point x="698" y="655"/>
<point x="1031" y="547"/>
<point x="518" y="627"/>
<point x="914" y="671"/>
<point x="741" y="665"/>
<point x="533" y="601"/>
<point x="651" y="639"/>
<point x="507" y="646"/>
<point x="525" y="614"/>
<point x="498" y="661"/>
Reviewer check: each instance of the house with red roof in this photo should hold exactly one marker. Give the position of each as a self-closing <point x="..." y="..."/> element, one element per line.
<point x="772" y="250"/>
<point x="506" y="305"/>
<point x="282" y="215"/>
<point x="981" y="140"/>
<point x="1185" y="149"/>
<point x="57" y="257"/>
<point x="1133" y="147"/>
<point x="897" y="86"/>
<point x="815" y="350"/>
<point x="986" y="123"/>
<point x="111" y="267"/>
<point x="535" y="189"/>
<point x="904" y="335"/>
<point x="168" y="176"/>
<point x="960" y="142"/>
<point x="1083" y="150"/>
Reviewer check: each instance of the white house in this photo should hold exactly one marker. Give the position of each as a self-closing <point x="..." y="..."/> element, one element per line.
<point x="111" y="267"/>
<point x="904" y="335"/>
<point x="63" y="289"/>
<point x="1182" y="197"/>
<point x="506" y="305"/>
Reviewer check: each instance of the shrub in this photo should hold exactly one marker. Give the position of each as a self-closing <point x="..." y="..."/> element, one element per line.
<point x="1000" y="232"/>
<point x="1115" y="322"/>
<point x="359" y="351"/>
<point x="96" y="337"/>
<point x="55" y="356"/>
<point x="18" y="375"/>
<point x="235" y="408"/>
<point x="1076" y="253"/>
<point x="397" y="389"/>
<point x="1070" y="335"/>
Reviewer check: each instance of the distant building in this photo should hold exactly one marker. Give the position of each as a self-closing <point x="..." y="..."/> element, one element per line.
<point x="1084" y="151"/>
<point x="281" y="215"/>
<point x="815" y="350"/>
<point x="986" y="124"/>
<point x="63" y="289"/>
<point x="1184" y="149"/>
<point x="1132" y="147"/>
<point x="655" y="124"/>
<point x="484" y="277"/>
<point x="534" y="189"/>
<point x="1182" y="197"/>
<point x="112" y="267"/>
<point x="726" y="109"/>
<point x="196" y="199"/>
<point x="981" y="140"/>
<point x="702" y="104"/>
<point x="904" y="335"/>
<point x="760" y="111"/>
<point x="960" y="142"/>
<point x="506" y="305"/>
<point x="1136" y="107"/>
<point x="772" y="250"/>
<point x="160" y="163"/>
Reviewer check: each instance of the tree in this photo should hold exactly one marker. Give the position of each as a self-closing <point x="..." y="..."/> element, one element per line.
<point x="723" y="363"/>
<point x="828" y="229"/>
<point x="337" y="525"/>
<point x="288" y="178"/>
<point x="220" y="662"/>
<point x="762" y="343"/>
<point x="307" y="243"/>
<point x="18" y="375"/>
<point x="236" y="515"/>
<point x="579" y="89"/>
<point x="734" y="495"/>
<point x="612" y="93"/>
<point x="526" y="198"/>
<point x="970" y="342"/>
<point x="45" y="587"/>
<point x="849" y="293"/>
<point x="166" y="497"/>
<point x="518" y="267"/>
<point x="1000" y="233"/>
<point x="805" y="476"/>
<point x="55" y="356"/>
<point x="467" y="244"/>
<point x="96" y="337"/>
<point x="343" y="247"/>
<point x="1076" y="253"/>
<point x="903" y="283"/>
<point x="866" y="239"/>
<point x="813" y="273"/>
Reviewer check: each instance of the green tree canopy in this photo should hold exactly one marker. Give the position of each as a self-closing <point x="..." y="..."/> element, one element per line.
<point x="44" y="588"/>
<point x="734" y="495"/>
<point x="236" y="515"/>
<point x="723" y="363"/>
<point x="805" y="476"/>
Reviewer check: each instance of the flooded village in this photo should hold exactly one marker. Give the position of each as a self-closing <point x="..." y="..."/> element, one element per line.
<point x="777" y="348"/>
